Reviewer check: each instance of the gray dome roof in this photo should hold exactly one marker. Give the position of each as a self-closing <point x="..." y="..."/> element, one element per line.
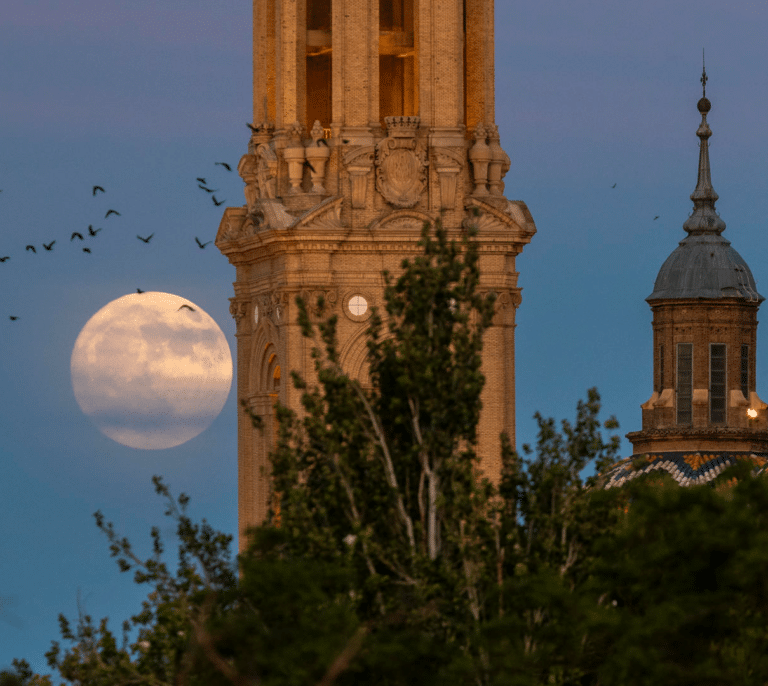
<point x="705" y="266"/>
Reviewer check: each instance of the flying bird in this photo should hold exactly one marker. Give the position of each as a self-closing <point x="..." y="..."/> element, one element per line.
<point x="322" y="141"/>
<point x="200" y="179"/>
<point x="111" y="212"/>
<point x="311" y="168"/>
<point x="614" y="186"/>
<point x="76" y="234"/>
<point x="13" y="318"/>
<point x="225" y="165"/>
<point x="656" y="217"/>
<point x="49" y="246"/>
<point x="98" y="188"/>
<point x="207" y="190"/>
<point x="88" y="250"/>
<point x="3" y="259"/>
<point x="199" y="244"/>
<point x="92" y="231"/>
<point x="32" y="248"/>
<point x="138" y="290"/>
<point x="251" y="127"/>
<point x="147" y="239"/>
<point x="188" y="307"/>
<point x="217" y="202"/>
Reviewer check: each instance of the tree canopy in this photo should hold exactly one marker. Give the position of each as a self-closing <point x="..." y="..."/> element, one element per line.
<point x="388" y="558"/>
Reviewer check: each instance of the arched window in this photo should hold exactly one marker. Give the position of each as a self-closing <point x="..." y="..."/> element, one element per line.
<point x="397" y="59"/>
<point x="319" y="54"/>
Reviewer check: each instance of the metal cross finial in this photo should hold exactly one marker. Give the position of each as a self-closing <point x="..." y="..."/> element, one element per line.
<point x="704" y="77"/>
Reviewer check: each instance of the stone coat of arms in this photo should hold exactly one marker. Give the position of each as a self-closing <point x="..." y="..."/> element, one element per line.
<point x="401" y="163"/>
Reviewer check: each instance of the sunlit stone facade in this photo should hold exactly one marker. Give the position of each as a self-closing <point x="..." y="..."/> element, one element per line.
<point x="370" y="118"/>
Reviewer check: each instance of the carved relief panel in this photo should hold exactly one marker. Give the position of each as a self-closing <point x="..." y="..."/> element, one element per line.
<point x="401" y="163"/>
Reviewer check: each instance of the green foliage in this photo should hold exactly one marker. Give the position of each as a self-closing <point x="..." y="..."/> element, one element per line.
<point x="175" y="607"/>
<point x="549" y="624"/>
<point x="389" y="560"/>
<point x="22" y="675"/>
<point x="686" y="570"/>
<point x="386" y="480"/>
<point x="386" y="477"/>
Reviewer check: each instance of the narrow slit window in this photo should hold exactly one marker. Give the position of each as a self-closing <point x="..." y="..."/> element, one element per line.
<point x="745" y="371"/>
<point x="717" y="383"/>
<point x="684" y="383"/>
<point x="661" y="369"/>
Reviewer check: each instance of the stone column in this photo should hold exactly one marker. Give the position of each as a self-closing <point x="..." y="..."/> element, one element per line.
<point x="440" y="65"/>
<point x="291" y="83"/>
<point x="246" y="448"/>
<point x="355" y="36"/>
<point x="479" y="68"/>
<point x="264" y="55"/>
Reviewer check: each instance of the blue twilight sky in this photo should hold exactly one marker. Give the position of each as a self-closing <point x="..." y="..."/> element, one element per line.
<point x="143" y="97"/>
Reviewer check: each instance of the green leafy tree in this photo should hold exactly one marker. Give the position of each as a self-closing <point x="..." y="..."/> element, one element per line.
<point x="388" y="558"/>
<point x="550" y="622"/>
<point x="284" y="621"/>
<point x="686" y="573"/>
<point x="21" y="674"/>
<point x="386" y="477"/>
<point x="178" y="605"/>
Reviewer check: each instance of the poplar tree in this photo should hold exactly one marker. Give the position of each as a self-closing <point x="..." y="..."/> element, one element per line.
<point x="387" y="557"/>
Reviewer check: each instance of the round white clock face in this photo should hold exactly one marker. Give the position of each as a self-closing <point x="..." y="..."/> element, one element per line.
<point x="357" y="305"/>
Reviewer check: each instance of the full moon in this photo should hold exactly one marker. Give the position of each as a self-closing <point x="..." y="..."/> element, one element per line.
<point x="152" y="370"/>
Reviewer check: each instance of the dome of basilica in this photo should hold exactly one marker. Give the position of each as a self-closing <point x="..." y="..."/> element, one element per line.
<point x="705" y="265"/>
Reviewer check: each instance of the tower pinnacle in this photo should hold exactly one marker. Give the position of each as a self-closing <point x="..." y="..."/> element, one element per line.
<point x="704" y="219"/>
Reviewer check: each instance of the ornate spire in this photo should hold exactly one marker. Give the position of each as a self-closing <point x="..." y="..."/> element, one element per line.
<point x="704" y="218"/>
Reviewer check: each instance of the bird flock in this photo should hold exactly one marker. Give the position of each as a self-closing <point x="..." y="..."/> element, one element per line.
<point x="202" y="184"/>
<point x="92" y="232"/>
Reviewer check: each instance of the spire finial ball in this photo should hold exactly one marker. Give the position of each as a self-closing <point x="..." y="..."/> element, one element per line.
<point x="704" y="105"/>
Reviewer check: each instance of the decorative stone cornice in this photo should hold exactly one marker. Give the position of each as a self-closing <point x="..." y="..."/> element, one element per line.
<point x="690" y="433"/>
<point x="486" y="218"/>
<point x="232" y="226"/>
<point x="325" y="216"/>
<point x="406" y="219"/>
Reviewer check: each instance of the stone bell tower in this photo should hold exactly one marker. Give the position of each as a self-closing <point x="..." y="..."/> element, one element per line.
<point x="370" y="118"/>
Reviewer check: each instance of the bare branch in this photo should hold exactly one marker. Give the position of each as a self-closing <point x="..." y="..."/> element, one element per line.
<point x="388" y="465"/>
<point x="344" y="657"/>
